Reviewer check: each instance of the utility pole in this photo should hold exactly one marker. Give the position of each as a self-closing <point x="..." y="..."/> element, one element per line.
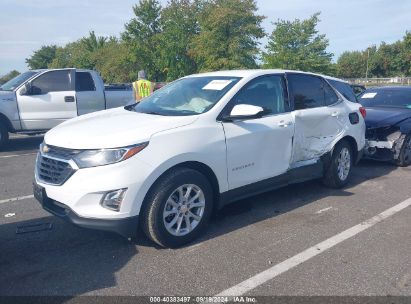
<point x="366" y="71"/>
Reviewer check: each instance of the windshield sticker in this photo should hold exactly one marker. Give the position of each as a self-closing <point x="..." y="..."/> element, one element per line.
<point x="369" y="95"/>
<point x="217" y="85"/>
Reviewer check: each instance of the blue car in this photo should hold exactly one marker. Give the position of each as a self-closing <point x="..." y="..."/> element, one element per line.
<point x="388" y="124"/>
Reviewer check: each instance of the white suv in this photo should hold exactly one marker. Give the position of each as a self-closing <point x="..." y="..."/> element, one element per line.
<point x="199" y="143"/>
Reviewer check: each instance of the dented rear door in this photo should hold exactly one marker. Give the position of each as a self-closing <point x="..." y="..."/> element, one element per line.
<point x="318" y="114"/>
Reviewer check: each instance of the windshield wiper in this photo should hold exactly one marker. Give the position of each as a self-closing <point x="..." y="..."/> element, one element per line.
<point x="153" y="113"/>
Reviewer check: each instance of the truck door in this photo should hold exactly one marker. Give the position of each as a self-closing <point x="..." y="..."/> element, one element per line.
<point x="89" y="97"/>
<point x="258" y="149"/>
<point x="318" y="115"/>
<point x="49" y="101"/>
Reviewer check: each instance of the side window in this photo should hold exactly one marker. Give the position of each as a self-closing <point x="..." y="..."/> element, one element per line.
<point x="266" y="92"/>
<point x="329" y="94"/>
<point x="84" y="82"/>
<point x="53" y="81"/>
<point x="345" y="90"/>
<point x="306" y="91"/>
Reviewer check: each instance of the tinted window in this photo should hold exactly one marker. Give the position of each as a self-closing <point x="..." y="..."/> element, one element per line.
<point x="400" y="97"/>
<point x="345" y="89"/>
<point x="266" y="92"/>
<point x="54" y="81"/>
<point x="84" y="82"/>
<point x="329" y="94"/>
<point x="306" y="91"/>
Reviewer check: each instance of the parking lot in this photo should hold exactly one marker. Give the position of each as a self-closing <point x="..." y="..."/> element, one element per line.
<point x="255" y="247"/>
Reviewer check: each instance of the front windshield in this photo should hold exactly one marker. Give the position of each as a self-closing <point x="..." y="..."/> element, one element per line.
<point x="398" y="98"/>
<point x="16" y="81"/>
<point x="187" y="96"/>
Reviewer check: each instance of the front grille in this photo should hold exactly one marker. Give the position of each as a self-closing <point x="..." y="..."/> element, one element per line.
<point x="53" y="171"/>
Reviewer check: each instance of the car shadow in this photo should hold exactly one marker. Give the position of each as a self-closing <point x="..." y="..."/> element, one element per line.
<point x="23" y="143"/>
<point x="271" y="204"/>
<point x="64" y="260"/>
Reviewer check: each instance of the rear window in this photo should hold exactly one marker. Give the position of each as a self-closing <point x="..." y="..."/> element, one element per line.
<point x="345" y="89"/>
<point x="84" y="82"/>
<point x="398" y="98"/>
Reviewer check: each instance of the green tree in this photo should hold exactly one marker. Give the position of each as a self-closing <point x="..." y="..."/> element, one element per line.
<point x="352" y="65"/>
<point x="179" y="27"/>
<point x="42" y="57"/>
<point x="79" y="54"/>
<point x="115" y="62"/>
<point x="228" y="37"/>
<point x="297" y="45"/>
<point x="8" y="76"/>
<point x="142" y="36"/>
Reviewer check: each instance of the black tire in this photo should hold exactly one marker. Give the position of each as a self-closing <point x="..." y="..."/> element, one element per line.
<point x="331" y="177"/>
<point x="151" y="215"/>
<point x="4" y="135"/>
<point x="404" y="158"/>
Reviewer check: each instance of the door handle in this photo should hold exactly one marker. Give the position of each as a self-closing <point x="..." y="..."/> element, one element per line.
<point x="335" y="114"/>
<point x="69" y="98"/>
<point x="284" y="124"/>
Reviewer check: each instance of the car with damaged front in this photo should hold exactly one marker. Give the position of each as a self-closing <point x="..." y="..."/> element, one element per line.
<point x="193" y="146"/>
<point x="388" y="124"/>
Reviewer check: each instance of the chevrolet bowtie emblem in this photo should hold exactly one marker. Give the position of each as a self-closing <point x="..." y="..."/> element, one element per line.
<point x="45" y="149"/>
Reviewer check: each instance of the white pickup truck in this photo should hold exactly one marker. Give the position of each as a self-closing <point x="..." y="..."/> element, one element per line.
<point x="38" y="100"/>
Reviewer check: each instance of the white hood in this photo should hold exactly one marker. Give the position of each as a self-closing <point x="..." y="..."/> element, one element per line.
<point x="111" y="129"/>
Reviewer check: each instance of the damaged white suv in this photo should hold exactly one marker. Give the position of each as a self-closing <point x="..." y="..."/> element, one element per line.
<point x="199" y="143"/>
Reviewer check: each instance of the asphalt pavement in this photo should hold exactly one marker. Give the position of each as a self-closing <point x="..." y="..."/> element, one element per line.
<point x="246" y="241"/>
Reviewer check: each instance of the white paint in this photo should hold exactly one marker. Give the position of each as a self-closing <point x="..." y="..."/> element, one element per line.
<point x="15" y="155"/>
<point x="369" y="95"/>
<point x="13" y="199"/>
<point x="311" y="252"/>
<point x="9" y="215"/>
<point x="217" y="85"/>
<point x="323" y="210"/>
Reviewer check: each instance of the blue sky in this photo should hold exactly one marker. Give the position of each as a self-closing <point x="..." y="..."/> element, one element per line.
<point x="26" y="25"/>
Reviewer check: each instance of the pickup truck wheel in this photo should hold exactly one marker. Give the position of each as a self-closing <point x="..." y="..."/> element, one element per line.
<point x="178" y="208"/>
<point x="4" y="135"/>
<point x="404" y="158"/>
<point x="338" y="173"/>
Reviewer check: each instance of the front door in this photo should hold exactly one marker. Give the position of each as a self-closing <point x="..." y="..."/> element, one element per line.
<point x="258" y="149"/>
<point x="50" y="101"/>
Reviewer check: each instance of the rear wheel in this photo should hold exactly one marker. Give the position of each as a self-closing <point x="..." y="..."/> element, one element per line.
<point x="338" y="173"/>
<point x="178" y="208"/>
<point x="404" y="158"/>
<point x="4" y="135"/>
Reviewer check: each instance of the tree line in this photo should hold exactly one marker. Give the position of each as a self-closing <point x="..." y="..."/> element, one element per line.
<point x="190" y="36"/>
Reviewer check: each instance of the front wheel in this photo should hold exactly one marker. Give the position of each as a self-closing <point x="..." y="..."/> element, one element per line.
<point x="338" y="172"/>
<point x="404" y="158"/>
<point x="178" y="208"/>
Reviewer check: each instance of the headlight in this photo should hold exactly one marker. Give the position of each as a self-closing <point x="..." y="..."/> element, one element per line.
<point x="94" y="158"/>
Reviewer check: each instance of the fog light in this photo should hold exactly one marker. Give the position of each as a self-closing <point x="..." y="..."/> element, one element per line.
<point x="112" y="200"/>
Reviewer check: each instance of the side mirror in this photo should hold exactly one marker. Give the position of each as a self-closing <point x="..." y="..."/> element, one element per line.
<point x="244" y="111"/>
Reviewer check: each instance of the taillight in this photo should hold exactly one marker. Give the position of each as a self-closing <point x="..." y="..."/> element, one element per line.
<point x="363" y="112"/>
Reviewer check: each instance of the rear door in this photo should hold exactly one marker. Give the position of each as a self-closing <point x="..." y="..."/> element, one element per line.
<point x="318" y="115"/>
<point x="258" y="149"/>
<point x="50" y="101"/>
<point x="89" y="98"/>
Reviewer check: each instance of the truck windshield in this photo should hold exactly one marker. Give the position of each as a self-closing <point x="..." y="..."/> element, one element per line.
<point x="186" y="96"/>
<point x="17" y="81"/>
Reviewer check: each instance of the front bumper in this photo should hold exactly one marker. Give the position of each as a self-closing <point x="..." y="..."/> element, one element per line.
<point x="387" y="150"/>
<point x="126" y="227"/>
